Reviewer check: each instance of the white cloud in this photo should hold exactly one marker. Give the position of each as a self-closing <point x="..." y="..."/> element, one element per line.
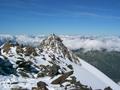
<point x="72" y="42"/>
<point x="94" y="43"/>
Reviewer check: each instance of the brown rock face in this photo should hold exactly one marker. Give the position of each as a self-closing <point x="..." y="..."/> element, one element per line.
<point x="19" y="49"/>
<point x="6" y="47"/>
<point x="30" y="50"/>
<point x="40" y="86"/>
<point x="62" y="78"/>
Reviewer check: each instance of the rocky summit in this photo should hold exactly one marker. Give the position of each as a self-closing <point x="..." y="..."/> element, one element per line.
<point x="50" y="66"/>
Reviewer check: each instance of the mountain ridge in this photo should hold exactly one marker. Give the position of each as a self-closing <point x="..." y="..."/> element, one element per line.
<point x="52" y="63"/>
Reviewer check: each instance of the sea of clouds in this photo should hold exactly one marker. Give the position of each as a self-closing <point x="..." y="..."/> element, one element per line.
<point x="110" y="43"/>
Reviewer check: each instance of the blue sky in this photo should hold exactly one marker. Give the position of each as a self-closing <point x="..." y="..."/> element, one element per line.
<point x="86" y="17"/>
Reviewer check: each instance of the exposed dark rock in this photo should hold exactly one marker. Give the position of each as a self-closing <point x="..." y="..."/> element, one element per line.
<point x="42" y="74"/>
<point x="22" y="59"/>
<point x="19" y="88"/>
<point x="49" y="70"/>
<point x="34" y="88"/>
<point x="6" y="47"/>
<point x="44" y="58"/>
<point x="0" y="51"/>
<point x="42" y="85"/>
<point x="6" y="68"/>
<point x="108" y="88"/>
<point x="52" y="56"/>
<point x="14" y="83"/>
<point x="76" y="85"/>
<point x="70" y="67"/>
<point x="79" y="86"/>
<point x="26" y="66"/>
<point x="30" y="51"/>
<point x="40" y="50"/>
<point x="44" y="70"/>
<point x="62" y="78"/>
<point x="23" y="74"/>
<point x="54" y="70"/>
<point x="19" y="49"/>
<point x="17" y="44"/>
<point x="73" y="81"/>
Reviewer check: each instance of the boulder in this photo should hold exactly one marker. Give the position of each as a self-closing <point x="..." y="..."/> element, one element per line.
<point x="54" y="70"/>
<point x="62" y="78"/>
<point x="108" y="88"/>
<point x="42" y="85"/>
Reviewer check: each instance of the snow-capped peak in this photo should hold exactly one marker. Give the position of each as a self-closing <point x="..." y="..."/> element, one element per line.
<point x="54" y="44"/>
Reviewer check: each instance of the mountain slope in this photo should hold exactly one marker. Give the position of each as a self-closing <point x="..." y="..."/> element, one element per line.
<point x="51" y="65"/>
<point x="106" y="61"/>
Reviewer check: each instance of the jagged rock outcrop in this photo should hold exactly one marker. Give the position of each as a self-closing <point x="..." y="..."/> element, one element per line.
<point x="19" y="49"/>
<point x="30" y="51"/>
<point x="6" y="47"/>
<point x="54" y="43"/>
<point x="62" y="78"/>
<point x="40" y="86"/>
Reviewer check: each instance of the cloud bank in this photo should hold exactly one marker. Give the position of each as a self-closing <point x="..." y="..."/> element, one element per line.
<point x="111" y="43"/>
<point x="92" y="43"/>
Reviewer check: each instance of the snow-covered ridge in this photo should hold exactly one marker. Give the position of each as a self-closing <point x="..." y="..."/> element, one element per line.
<point x="51" y="63"/>
<point x="110" y="43"/>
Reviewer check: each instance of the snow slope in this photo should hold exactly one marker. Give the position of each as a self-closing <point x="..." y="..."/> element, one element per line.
<point x="89" y="75"/>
